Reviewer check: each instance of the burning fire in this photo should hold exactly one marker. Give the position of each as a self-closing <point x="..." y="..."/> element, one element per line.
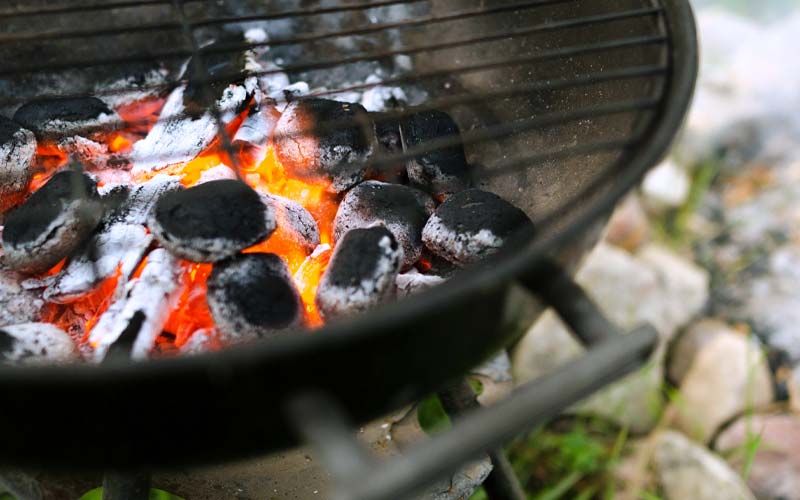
<point x="192" y="313"/>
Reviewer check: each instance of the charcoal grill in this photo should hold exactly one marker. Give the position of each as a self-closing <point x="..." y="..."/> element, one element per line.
<point x="563" y="104"/>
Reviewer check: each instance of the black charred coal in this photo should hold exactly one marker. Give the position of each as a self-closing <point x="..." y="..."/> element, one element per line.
<point x="53" y="119"/>
<point x="400" y="208"/>
<point x="320" y="139"/>
<point x="253" y="295"/>
<point x="471" y="225"/>
<point x="361" y="273"/>
<point x="212" y="221"/>
<point x="52" y="223"/>
<point x="17" y="150"/>
<point x="443" y="171"/>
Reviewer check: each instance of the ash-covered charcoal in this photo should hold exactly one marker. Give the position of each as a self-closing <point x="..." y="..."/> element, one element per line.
<point x="294" y="220"/>
<point x="443" y="171"/>
<point x="17" y="304"/>
<point x="253" y="295"/>
<point x="95" y="156"/>
<point x="52" y="223"/>
<point x="320" y="139"/>
<point x="130" y="326"/>
<point x="361" y="273"/>
<point x="212" y="221"/>
<point x="472" y="225"/>
<point x="57" y="118"/>
<point x="251" y="141"/>
<point x="117" y="246"/>
<point x="400" y="208"/>
<point x="174" y="139"/>
<point x="413" y="281"/>
<point x="389" y="142"/>
<point x="35" y="343"/>
<point x="17" y="149"/>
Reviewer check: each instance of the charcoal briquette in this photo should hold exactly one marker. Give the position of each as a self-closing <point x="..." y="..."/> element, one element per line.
<point x="55" y="118"/>
<point x="17" y="150"/>
<point x="52" y="223"/>
<point x="361" y="273"/>
<point x="443" y="171"/>
<point x="253" y="295"/>
<point x="471" y="225"/>
<point x="401" y="209"/>
<point x="324" y="140"/>
<point x="212" y="221"/>
<point x="35" y="343"/>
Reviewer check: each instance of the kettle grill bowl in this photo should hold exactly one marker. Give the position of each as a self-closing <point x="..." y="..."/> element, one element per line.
<point x="603" y="98"/>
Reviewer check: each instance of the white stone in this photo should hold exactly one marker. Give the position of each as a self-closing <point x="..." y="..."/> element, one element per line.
<point x="728" y="376"/>
<point x="666" y="186"/>
<point x="688" y="471"/>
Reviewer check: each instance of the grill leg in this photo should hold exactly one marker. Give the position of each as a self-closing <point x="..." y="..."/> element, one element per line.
<point x="502" y="483"/>
<point x="132" y="486"/>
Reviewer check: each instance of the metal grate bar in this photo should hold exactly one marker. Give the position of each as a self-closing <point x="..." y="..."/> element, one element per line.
<point x="201" y="71"/>
<point x="68" y="9"/>
<point x="540" y="28"/>
<point x="121" y="30"/>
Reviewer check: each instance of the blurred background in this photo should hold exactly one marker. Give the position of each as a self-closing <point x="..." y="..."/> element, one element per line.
<point x="708" y="251"/>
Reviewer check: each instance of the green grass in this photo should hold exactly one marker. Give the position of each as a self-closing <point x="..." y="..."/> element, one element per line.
<point x="673" y="227"/>
<point x="97" y="494"/>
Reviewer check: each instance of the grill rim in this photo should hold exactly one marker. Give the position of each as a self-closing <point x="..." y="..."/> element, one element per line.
<point x="494" y="277"/>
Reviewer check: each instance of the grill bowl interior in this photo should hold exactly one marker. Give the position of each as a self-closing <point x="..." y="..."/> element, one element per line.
<point x="570" y="103"/>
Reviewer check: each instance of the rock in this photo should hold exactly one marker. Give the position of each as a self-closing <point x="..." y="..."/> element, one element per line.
<point x="774" y="469"/>
<point x="684" y="283"/>
<point x="686" y="470"/>
<point x="635" y="400"/>
<point x="666" y="186"/>
<point x="728" y="376"/>
<point x="629" y="227"/>
<point x="685" y="348"/>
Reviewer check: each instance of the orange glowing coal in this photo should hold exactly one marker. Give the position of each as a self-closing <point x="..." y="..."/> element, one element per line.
<point x="192" y="313"/>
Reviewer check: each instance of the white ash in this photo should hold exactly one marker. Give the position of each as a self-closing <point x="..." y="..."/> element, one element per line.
<point x="92" y="154"/>
<point x="201" y="341"/>
<point x="252" y="138"/>
<point x="375" y="98"/>
<point x="61" y="221"/>
<point x="361" y="273"/>
<point x="234" y="97"/>
<point x="413" y="281"/>
<point x="294" y="220"/>
<point x="253" y="295"/>
<point x="17" y="304"/>
<point x="17" y="149"/>
<point x="143" y="198"/>
<point x="176" y="138"/>
<point x="150" y="297"/>
<point x="218" y="173"/>
<point x="119" y="246"/>
<point x="36" y="343"/>
<point x="289" y="94"/>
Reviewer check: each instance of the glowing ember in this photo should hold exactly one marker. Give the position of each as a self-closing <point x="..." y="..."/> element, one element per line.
<point x="192" y="313"/>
